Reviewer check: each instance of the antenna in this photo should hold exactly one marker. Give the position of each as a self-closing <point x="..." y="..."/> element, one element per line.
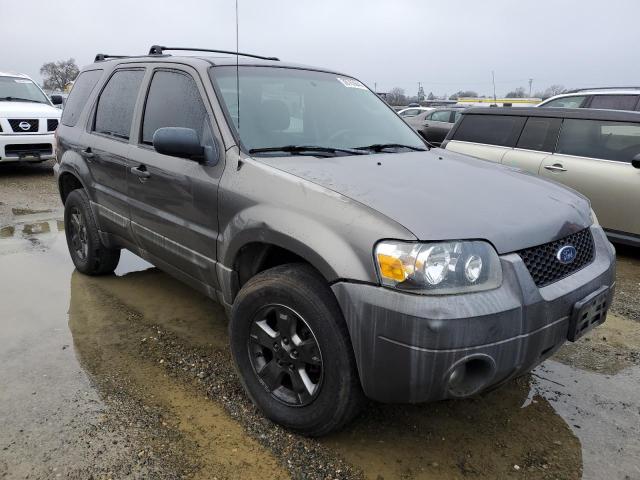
<point x="237" y="71"/>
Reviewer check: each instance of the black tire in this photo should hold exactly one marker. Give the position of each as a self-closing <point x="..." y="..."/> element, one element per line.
<point x="337" y="396"/>
<point x="88" y="253"/>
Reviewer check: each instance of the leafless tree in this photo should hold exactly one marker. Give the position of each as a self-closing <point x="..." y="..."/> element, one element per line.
<point x="519" y="92"/>
<point x="396" y="96"/>
<point x="58" y="74"/>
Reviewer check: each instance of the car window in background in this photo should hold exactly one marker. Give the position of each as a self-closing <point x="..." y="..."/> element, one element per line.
<point x="117" y="102"/>
<point x="539" y="134"/>
<point x="21" y="88"/>
<point x="614" y="102"/>
<point x="410" y="113"/>
<point x="619" y="141"/>
<point x="441" y="116"/>
<point x="566" y="102"/>
<point x="286" y="106"/>
<point x="173" y="101"/>
<point x="82" y="88"/>
<point x="499" y="130"/>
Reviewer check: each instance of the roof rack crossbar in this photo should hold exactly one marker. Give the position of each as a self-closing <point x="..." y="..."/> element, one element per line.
<point x="159" y="50"/>
<point x="100" y="57"/>
<point x="602" y="88"/>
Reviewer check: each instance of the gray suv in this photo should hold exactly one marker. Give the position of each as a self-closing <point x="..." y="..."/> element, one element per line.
<point x="352" y="260"/>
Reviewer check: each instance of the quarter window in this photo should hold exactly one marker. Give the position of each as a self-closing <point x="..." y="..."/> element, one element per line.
<point x="117" y="103"/>
<point x="566" y="102"/>
<point x="614" y="102"/>
<point x="82" y="88"/>
<point x="540" y="134"/>
<point x="173" y="101"/>
<point x="619" y="141"/>
<point x="499" y="130"/>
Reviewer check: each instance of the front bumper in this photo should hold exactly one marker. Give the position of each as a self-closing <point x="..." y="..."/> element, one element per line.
<point x="407" y="346"/>
<point x="27" y="147"/>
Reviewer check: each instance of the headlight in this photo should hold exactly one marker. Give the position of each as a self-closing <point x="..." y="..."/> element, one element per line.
<point x="438" y="268"/>
<point x="594" y="219"/>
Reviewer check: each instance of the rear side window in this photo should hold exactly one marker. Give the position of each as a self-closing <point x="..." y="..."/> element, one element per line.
<point x="566" y="102"/>
<point x="117" y="102"/>
<point x="540" y="134"/>
<point x="499" y="130"/>
<point x="441" y="116"/>
<point x="82" y="88"/>
<point x="619" y="141"/>
<point x="173" y="101"/>
<point x="614" y="102"/>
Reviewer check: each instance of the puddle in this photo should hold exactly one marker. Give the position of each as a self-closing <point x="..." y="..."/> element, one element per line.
<point x="34" y="233"/>
<point x="603" y="411"/>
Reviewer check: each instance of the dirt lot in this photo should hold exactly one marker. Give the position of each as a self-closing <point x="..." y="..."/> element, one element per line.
<point x="129" y="376"/>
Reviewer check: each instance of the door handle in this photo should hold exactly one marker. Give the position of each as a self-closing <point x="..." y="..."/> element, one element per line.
<point x="87" y="153"/>
<point x="556" y="167"/>
<point x="141" y="172"/>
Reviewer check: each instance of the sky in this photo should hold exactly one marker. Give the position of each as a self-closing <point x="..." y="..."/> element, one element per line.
<point x="448" y="45"/>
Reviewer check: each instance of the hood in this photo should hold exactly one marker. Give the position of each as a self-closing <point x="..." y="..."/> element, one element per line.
<point x="439" y="195"/>
<point x="28" y="110"/>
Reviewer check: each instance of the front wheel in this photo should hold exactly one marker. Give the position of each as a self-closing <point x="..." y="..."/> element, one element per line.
<point x="291" y="347"/>
<point x="87" y="252"/>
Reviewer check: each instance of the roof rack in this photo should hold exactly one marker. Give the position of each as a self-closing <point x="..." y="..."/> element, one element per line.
<point x="159" y="50"/>
<point x="101" y="57"/>
<point x="602" y="88"/>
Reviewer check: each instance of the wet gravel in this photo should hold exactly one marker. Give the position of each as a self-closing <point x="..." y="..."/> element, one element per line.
<point x="212" y="373"/>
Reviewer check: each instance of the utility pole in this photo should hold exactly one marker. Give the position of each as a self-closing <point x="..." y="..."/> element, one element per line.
<point x="375" y="87"/>
<point x="495" y="99"/>
<point x="530" y="83"/>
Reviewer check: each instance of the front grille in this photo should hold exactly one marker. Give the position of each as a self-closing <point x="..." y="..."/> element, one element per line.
<point x="545" y="268"/>
<point x="52" y="124"/>
<point x="28" y="149"/>
<point x="15" y="125"/>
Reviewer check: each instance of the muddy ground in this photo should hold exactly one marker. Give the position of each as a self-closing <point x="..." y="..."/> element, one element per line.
<point x="129" y="376"/>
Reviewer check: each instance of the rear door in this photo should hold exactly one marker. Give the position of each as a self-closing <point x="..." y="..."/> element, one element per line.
<point x="594" y="157"/>
<point x="436" y="126"/>
<point x="486" y="136"/>
<point x="536" y="142"/>
<point x="174" y="204"/>
<point x="107" y="148"/>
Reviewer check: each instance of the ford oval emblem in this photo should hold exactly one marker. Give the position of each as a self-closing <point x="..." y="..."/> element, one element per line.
<point x="25" y="126"/>
<point x="567" y="254"/>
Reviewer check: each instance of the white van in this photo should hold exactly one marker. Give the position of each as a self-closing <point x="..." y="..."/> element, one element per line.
<point x="28" y="120"/>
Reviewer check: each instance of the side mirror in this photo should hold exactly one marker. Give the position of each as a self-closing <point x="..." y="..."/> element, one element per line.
<point x="636" y="161"/>
<point x="56" y="99"/>
<point x="178" y="142"/>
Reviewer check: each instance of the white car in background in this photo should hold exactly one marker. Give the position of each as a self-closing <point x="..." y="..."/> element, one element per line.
<point x="413" y="111"/>
<point x="620" y="98"/>
<point x="28" y="120"/>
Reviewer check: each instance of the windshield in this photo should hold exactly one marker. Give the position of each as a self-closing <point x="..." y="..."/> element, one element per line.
<point x="286" y="106"/>
<point x="16" y="89"/>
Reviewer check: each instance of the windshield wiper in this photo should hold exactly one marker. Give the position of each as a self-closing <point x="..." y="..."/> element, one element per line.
<point x="379" y="147"/>
<point x="18" y="99"/>
<point x="307" y="149"/>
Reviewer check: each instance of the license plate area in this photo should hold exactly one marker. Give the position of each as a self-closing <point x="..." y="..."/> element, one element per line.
<point x="588" y="313"/>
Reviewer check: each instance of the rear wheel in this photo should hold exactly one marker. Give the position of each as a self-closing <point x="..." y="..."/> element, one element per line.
<point x="292" y="350"/>
<point x="87" y="252"/>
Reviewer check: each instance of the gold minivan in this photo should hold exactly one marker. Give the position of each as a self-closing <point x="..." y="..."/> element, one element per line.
<point x="596" y="152"/>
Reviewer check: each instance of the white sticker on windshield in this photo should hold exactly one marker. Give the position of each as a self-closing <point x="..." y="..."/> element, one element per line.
<point x="351" y="83"/>
<point x="17" y="80"/>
